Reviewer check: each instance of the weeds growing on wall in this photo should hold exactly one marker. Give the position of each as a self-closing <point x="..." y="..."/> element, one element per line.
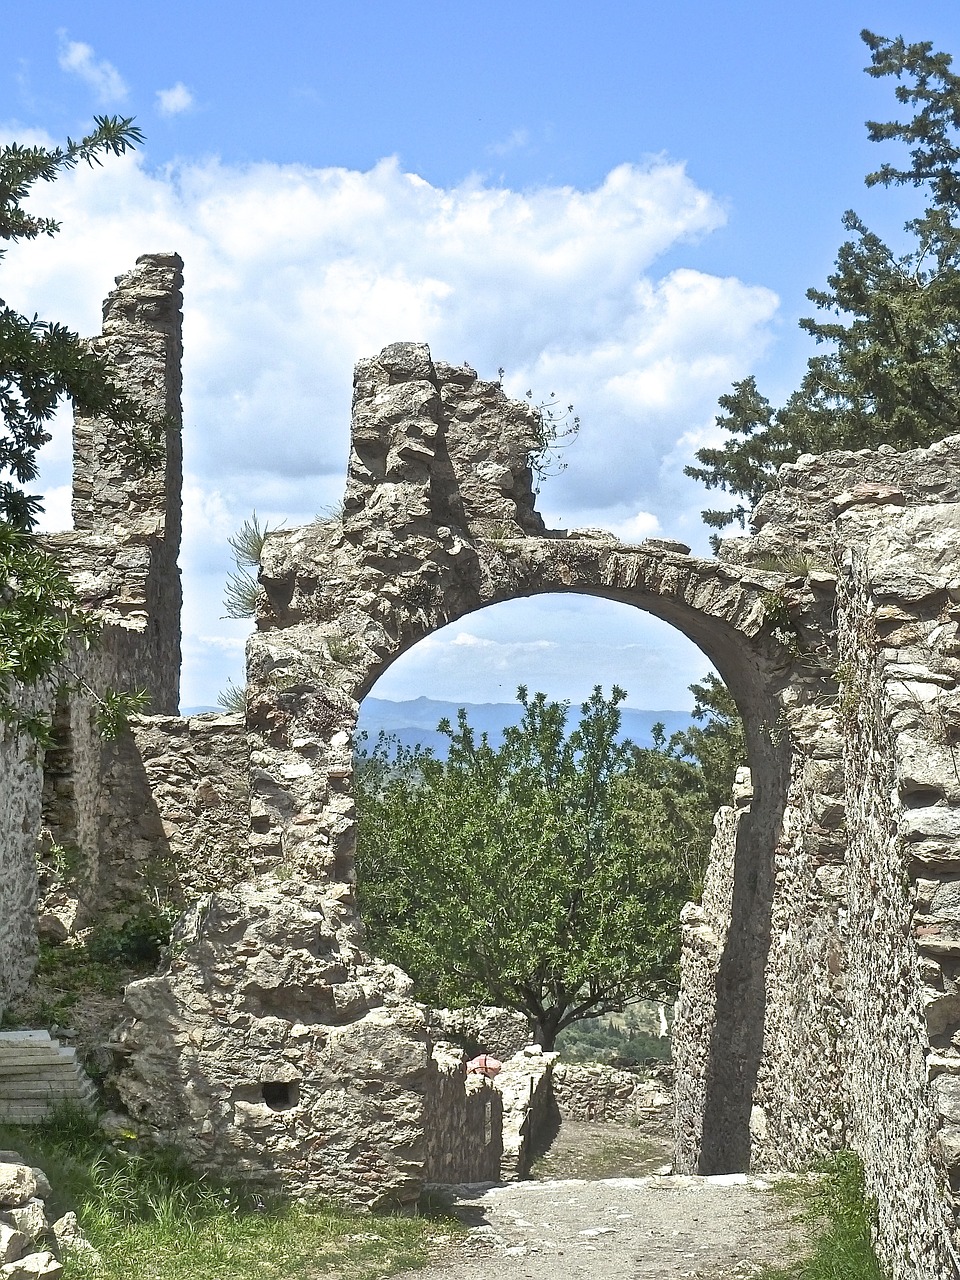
<point x="149" y="1215"/>
<point x="837" y="1218"/>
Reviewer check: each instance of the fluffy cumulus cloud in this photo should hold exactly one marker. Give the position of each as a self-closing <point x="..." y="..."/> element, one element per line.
<point x="293" y="273"/>
<point x="103" y="78"/>
<point x="174" y="101"/>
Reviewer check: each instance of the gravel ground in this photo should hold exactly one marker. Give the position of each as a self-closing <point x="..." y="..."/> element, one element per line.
<point x="651" y="1228"/>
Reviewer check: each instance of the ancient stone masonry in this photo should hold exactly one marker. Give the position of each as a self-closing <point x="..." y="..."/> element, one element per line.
<point x="122" y="559"/>
<point x="820" y="1000"/>
<point x="861" y="1035"/>
<point x="428" y="534"/>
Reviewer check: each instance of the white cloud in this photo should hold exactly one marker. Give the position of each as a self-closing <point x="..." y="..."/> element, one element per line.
<point x="173" y="101"/>
<point x="230" y="644"/>
<point x="500" y="650"/>
<point x="635" y="528"/>
<point x="590" y="642"/>
<point x="57" y="509"/>
<point x="293" y="273"/>
<point x="102" y="77"/>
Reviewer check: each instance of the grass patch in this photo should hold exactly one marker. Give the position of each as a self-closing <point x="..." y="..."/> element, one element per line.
<point x="69" y="975"/>
<point x="838" y="1218"/>
<point x="152" y="1217"/>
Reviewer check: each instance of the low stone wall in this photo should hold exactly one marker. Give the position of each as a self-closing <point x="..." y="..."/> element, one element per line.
<point x="483" y="1029"/>
<point x="592" y="1091"/>
<point x="529" y="1112"/>
<point x="463" y="1117"/>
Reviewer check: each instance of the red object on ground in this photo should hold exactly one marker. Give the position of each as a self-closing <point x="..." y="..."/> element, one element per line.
<point x="484" y="1065"/>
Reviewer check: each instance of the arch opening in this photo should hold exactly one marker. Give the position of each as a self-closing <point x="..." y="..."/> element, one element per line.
<point x="739" y="995"/>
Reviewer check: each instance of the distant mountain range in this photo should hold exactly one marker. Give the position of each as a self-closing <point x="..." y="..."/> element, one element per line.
<point x="415" y="722"/>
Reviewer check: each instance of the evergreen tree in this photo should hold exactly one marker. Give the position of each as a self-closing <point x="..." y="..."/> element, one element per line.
<point x="889" y="323"/>
<point x="40" y="363"/>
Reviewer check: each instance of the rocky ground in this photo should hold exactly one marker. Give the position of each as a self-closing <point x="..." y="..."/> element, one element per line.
<point x="595" y="1208"/>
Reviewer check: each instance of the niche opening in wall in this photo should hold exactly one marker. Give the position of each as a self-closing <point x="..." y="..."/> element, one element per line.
<point x="58" y="799"/>
<point x="280" y="1095"/>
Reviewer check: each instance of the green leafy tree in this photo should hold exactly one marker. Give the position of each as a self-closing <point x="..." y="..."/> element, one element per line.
<point x="524" y="875"/>
<point x="715" y="744"/>
<point x="41" y="362"/>
<point x="888" y="322"/>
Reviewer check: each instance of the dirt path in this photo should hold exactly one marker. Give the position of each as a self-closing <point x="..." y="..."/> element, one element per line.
<point x="651" y="1228"/>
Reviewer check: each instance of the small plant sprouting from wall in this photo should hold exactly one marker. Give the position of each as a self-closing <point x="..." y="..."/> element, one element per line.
<point x="242" y="589"/>
<point x="778" y="614"/>
<point x="343" y="649"/>
<point x="795" y="564"/>
<point x="233" y="699"/>
<point x="557" y="428"/>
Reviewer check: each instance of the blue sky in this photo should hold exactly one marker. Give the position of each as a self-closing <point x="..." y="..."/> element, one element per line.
<point x="622" y="202"/>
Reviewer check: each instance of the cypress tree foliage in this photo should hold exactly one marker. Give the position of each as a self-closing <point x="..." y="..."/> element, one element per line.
<point x="40" y="363"/>
<point x="889" y="323"/>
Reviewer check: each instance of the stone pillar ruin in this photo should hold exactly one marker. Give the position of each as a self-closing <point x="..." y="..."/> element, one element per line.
<point x="121" y="557"/>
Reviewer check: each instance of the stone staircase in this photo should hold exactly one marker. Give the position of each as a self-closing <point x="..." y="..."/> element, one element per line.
<point x="37" y="1073"/>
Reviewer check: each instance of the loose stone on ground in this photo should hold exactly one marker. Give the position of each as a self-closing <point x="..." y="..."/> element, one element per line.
<point x="654" y="1228"/>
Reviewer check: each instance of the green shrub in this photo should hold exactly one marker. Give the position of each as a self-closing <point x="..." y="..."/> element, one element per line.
<point x="139" y="940"/>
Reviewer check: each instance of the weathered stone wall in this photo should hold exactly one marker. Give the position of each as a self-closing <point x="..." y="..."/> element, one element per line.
<point x="174" y="811"/>
<point x="861" y="1038"/>
<point x="525" y="1085"/>
<point x="483" y="1029"/>
<point x="820" y="1002"/>
<point x="122" y="559"/>
<point x="272" y="1047"/>
<point x="900" y="709"/>
<point x="428" y="535"/>
<point x="592" y="1091"/>
<point x="463" y="1118"/>
<point x="704" y="929"/>
<point x="20" y="787"/>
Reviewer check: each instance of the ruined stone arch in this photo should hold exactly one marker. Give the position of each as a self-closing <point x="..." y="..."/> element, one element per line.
<point x="816" y="1009"/>
<point x="429" y="535"/>
<point x="820" y="999"/>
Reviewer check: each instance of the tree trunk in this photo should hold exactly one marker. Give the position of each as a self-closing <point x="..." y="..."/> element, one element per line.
<point x="545" y="1030"/>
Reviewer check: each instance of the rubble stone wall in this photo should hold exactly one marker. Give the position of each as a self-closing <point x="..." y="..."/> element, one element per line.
<point x="592" y="1091"/>
<point x="20" y="789"/>
<point x="174" y="811"/>
<point x="900" y="706"/>
<point x="464" y="1121"/>
<point x="821" y="991"/>
<point x="121" y="556"/>
<point x="861" y="1036"/>
<point x="429" y="533"/>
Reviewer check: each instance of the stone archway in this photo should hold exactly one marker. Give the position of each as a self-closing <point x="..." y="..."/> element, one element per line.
<point x="268" y="984"/>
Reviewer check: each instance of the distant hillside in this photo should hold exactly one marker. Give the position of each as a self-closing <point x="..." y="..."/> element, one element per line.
<point x="416" y="721"/>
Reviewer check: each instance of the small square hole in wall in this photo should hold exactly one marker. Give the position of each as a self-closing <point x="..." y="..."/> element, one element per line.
<point x="280" y="1095"/>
